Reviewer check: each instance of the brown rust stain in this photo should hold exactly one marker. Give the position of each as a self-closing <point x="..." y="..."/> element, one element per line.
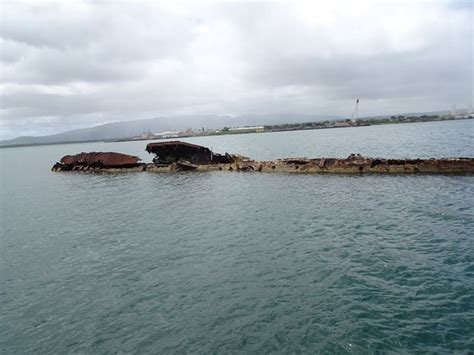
<point x="107" y="159"/>
<point x="96" y="161"/>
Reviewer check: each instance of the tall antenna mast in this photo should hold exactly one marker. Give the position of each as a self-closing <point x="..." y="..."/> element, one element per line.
<point x="355" y="114"/>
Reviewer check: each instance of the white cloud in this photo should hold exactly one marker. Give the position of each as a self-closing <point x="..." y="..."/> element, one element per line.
<point x="72" y="64"/>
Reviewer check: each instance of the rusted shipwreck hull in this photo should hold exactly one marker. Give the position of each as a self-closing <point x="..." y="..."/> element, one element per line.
<point x="98" y="161"/>
<point x="182" y="156"/>
<point x="350" y="165"/>
<point x="356" y="164"/>
<point x="167" y="153"/>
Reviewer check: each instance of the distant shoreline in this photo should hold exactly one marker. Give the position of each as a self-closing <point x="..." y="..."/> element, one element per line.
<point x="286" y="127"/>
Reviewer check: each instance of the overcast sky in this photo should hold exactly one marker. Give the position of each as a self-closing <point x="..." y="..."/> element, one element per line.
<point x="74" y="64"/>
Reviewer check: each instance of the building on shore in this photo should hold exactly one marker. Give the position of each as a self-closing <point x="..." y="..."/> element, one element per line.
<point x="167" y="134"/>
<point x="247" y="129"/>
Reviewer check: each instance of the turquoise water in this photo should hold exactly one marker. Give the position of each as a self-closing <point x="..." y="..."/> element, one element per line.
<point x="241" y="262"/>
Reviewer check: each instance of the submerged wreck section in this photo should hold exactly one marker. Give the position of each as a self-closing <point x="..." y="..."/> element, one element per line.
<point x="356" y="163"/>
<point x="98" y="161"/>
<point x="181" y="156"/>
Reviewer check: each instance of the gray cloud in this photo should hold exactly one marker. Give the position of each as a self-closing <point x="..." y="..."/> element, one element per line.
<point x="67" y="66"/>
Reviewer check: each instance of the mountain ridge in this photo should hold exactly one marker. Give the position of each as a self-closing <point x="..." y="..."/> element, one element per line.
<point x="126" y="129"/>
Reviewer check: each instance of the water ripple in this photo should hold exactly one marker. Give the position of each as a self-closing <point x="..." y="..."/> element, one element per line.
<point x="237" y="263"/>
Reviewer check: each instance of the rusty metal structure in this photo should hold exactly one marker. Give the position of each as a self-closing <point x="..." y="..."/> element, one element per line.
<point x="97" y="161"/>
<point x="357" y="164"/>
<point x="167" y="153"/>
<point x="181" y="156"/>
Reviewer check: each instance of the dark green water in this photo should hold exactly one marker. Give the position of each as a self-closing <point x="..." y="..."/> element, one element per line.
<point x="240" y="262"/>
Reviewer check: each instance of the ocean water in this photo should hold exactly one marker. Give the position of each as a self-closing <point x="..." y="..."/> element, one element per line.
<point x="227" y="262"/>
